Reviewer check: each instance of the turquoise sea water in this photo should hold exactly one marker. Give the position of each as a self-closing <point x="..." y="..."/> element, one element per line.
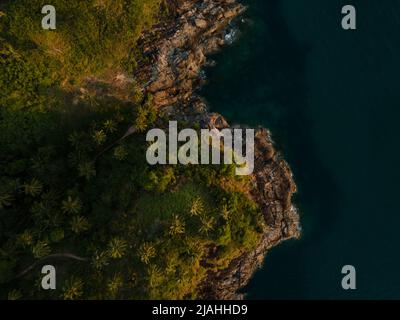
<point x="332" y="101"/>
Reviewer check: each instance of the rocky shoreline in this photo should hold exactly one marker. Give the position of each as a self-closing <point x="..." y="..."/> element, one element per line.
<point x="177" y="50"/>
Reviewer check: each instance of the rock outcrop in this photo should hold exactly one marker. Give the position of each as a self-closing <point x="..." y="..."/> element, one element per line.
<point x="197" y="29"/>
<point x="177" y="51"/>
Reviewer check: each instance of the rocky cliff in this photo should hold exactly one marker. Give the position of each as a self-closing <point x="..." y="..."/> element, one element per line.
<point x="176" y="52"/>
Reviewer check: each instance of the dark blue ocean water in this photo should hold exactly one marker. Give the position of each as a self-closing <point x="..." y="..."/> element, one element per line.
<point x="332" y="101"/>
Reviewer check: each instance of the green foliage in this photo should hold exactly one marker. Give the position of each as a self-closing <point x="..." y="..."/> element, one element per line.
<point x="87" y="170"/>
<point x="197" y="207"/>
<point x="117" y="248"/>
<point x="33" y="188"/>
<point x="207" y="224"/>
<point x="73" y="289"/>
<point x="26" y="238"/>
<point x="68" y="184"/>
<point x="110" y="126"/>
<point x="57" y="235"/>
<point x="100" y="260"/>
<point x="146" y="115"/>
<point x="120" y="153"/>
<point x="71" y="205"/>
<point x="41" y="249"/>
<point x="21" y="79"/>
<point x="225" y="213"/>
<point x="114" y="285"/>
<point x="158" y="180"/>
<point x="5" y="200"/>
<point x="177" y="226"/>
<point x="91" y="36"/>
<point x="79" y="224"/>
<point x="99" y="137"/>
<point x="14" y="295"/>
<point x="147" y="252"/>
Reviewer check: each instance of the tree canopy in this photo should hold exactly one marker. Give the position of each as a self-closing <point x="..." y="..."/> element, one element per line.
<point x="69" y="185"/>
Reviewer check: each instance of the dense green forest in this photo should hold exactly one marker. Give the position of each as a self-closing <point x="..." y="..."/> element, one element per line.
<point x="67" y="189"/>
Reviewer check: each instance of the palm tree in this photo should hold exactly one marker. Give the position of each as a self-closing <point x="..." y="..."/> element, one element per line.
<point x="225" y="213"/>
<point x="33" y="188"/>
<point x="26" y="238"/>
<point x="207" y="224"/>
<point x="197" y="207"/>
<point x="73" y="289"/>
<point x="147" y="252"/>
<point x="5" y="200"/>
<point x="177" y="226"/>
<point x="154" y="275"/>
<point x="14" y="295"/>
<point x="110" y="126"/>
<point x="79" y="224"/>
<point x="71" y="205"/>
<point x="99" y="137"/>
<point x="41" y="249"/>
<point x="141" y="119"/>
<point x="115" y="284"/>
<point x="120" y="153"/>
<point x="100" y="260"/>
<point x="90" y="97"/>
<point x="117" y="248"/>
<point x="194" y="250"/>
<point x="87" y="170"/>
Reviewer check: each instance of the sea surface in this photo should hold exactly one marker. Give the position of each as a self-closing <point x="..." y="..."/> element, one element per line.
<point x="332" y="101"/>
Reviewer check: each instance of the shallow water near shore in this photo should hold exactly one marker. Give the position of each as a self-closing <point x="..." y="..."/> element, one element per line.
<point x="331" y="100"/>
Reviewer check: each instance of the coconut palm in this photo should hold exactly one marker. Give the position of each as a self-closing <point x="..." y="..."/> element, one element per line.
<point x="5" y="200"/>
<point x="115" y="284"/>
<point x="194" y="249"/>
<point x="207" y="224"/>
<point x="225" y="213"/>
<point x="177" y="226"/>
<point x="87" y="170"/>
<point x="71" y="205"/>
<point x="41" y="249"/>
<point x="33" y="188"/>
<point x="147" y="252"/>
<point x="154" y="275"/>
<point x="100" y="260"/>
<point x="110" y="126"/>
<point x="14" y="295"/>
<point x="90" y="97"/>
<point x="120" y="153"/>
<point x="117" y="248"/>
<point x="99" y="137"/>
<point x="197" y="207"/>
<point x="79" y="224"/>
<point x="73" y="289"/>
<point x="142" y="121"/>
<point x="26" y="238"/>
